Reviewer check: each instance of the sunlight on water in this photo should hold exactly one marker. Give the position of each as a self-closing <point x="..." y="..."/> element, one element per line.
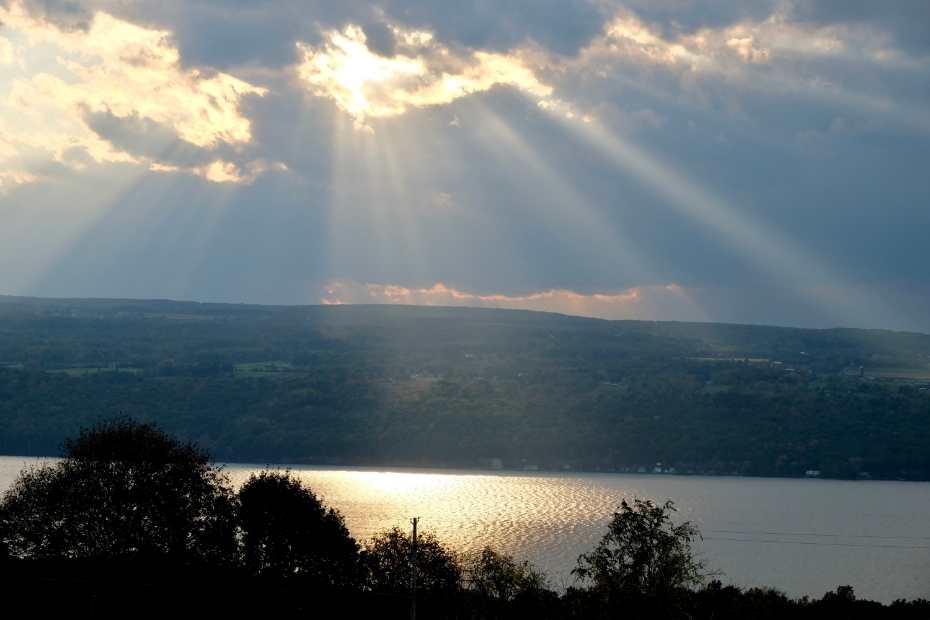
<point x="547" y="519"/>
<point x="379" y="482"/>
<point x="801" y="536"/>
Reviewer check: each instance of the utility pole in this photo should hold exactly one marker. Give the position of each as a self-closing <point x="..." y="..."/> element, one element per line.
<point x="413" y="570"/>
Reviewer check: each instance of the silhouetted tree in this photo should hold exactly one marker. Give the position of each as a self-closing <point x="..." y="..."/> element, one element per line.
<point x="498" y="576"/>
<point x="501" y="587"/>
<point x="287" y="531"/>
<point x="643" y="553"/>
<point x="388" y="559"/>
<point x="123" y="490"/>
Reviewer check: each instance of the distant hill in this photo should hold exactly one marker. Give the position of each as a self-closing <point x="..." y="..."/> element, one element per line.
<point x="469" y="387"/>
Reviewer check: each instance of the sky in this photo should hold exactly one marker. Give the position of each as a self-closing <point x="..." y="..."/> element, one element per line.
<point x="727" y="160"/>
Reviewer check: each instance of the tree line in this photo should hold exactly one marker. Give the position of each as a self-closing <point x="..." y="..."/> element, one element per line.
<point x="132" y="521"/>
<point x="720" y="418"/>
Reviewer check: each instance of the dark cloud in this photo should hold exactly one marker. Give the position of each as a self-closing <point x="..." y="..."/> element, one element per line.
<point x="292" y="127"/>
<point x="907" y="21"/>
<point x="675" y="17"/>
<point x="144" y="137"/>
<point x="559" y="25"/>
<point x="66" y="14"/>
<point x="264" y="32"/>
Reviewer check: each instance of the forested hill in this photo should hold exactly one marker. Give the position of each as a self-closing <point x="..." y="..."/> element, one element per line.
<point x="469" y="387"/>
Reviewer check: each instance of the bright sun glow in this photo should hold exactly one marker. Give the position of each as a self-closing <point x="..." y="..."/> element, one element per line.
<point x="349" y="72"/>
<point x="366" y="84"/>
<point x="404" y="483"/>
<point x="113" y="72"/>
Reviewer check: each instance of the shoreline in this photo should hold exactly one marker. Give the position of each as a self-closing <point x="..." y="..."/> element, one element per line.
<point x="380" y="467"/>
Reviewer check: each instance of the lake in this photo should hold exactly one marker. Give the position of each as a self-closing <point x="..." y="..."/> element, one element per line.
<point x="800" y="536"/>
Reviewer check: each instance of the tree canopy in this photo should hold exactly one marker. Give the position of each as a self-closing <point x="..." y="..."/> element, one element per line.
<point x="500" y="577"/>
<point x="389" y="558"/>
<point x="643" y="552"/>
<point x="123" y="490"/>
<point x="287" y="531"/>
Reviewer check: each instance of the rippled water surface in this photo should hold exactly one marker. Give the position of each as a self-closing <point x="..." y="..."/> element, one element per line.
<point x="801" y="536"/>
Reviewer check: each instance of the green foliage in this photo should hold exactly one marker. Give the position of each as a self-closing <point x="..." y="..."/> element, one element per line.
<point x="389" y="558"/>
<point x="466" y="387"/>
<point x="643" y="553"/>
<point x="288" y="532"/>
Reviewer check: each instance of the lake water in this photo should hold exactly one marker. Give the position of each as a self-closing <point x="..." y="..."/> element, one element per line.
<point x="800" y="536"/>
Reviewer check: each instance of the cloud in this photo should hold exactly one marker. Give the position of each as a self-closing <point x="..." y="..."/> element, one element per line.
<point x="420" y="73"/>
<point x="777" y="57"/>
<point x="66" y="15"/>
<point x="905" y="22"/>
<point x="6" y="51"/>
<point x="559" y="25"/>
<point x="645" y="302"/>
<point x="115" y="70"/>
<point x="11" y="178"/>
<point x="769" y="53"/>
<point x="729" y="47"/>
<point x="443" y="200"/>
<point x="261" y="33"/>
<point x="145" y="138"/>
<point x="808" y="121"/>
<point x="220" y="171"/>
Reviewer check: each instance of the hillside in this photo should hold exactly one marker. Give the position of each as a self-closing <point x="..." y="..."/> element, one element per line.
<point x="469" y="387"/>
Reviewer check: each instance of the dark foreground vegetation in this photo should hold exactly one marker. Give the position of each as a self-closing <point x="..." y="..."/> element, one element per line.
<point x="469" y="388"/>
<point x="132" y="522"/>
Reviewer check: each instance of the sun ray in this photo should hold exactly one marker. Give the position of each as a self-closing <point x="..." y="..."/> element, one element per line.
<point x="777" y="256"/>
<point x="567" y="206"/>
<point x="396" y="182"/>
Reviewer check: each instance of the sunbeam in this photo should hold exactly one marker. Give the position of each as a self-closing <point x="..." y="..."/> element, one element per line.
<point x="581" y="252"/>
<point x="413" y="158"/>
<point x="393" y="159"/>
<point x="373" y="198"/>
<point x="777" y="256"/>
<point x="565" y="207"/>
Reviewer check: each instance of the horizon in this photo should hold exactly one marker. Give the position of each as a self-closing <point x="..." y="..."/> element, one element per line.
<point x="462" y="307"/>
